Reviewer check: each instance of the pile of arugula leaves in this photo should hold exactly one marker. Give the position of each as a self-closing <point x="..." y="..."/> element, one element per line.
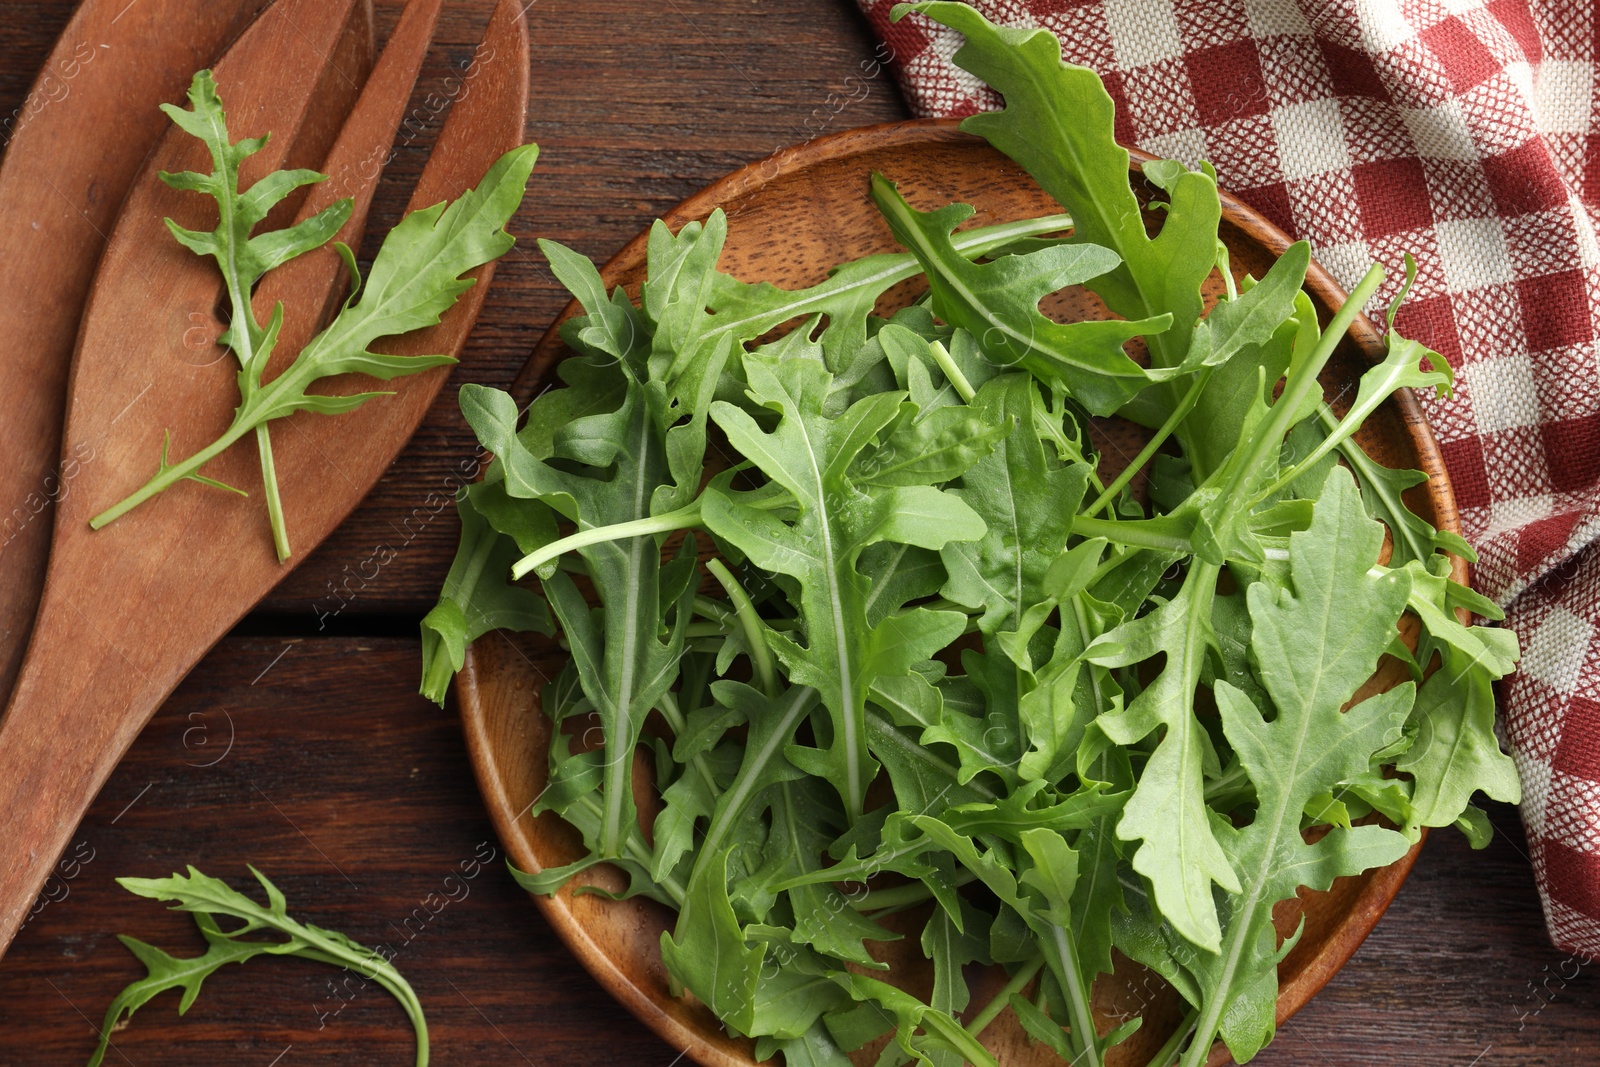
<point x="932" y="663"/>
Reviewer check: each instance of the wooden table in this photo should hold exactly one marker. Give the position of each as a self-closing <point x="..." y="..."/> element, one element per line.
<point x="299" y="744"/>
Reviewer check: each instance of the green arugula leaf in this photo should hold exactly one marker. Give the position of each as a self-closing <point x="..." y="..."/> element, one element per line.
<point x="415" y="278"/>
<point x="1026" y="502"/>
<point x="846" y="300"/>
<point x="574" y="792"/>
<point x="624" y="662"/>
<point x="1315" y="641"/>
<point x="1057" y="123"/>
<point x="998" y="303"/>
<point x="1456" y="752"/>
<point x="209" y="899"/>
<point x="243" y="259"/>
<point x="475" y="599"/>
<point x="1167" y="812"/>
<point x="921" y="1031"/>
<point x="809" y="456"/>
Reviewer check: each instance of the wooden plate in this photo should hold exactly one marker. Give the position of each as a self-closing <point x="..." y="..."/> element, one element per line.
<point x="791" y="217"/>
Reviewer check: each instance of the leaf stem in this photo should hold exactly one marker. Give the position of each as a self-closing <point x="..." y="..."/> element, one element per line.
<point x="750" y="622"/>
<point x="1085" y="1038"/>
<point x="170" y="476"/>
<point x="678" y="723"/>
<point x="952" y="373"/>
<point x="269" y="480"/>
<point x="681" y="519"/>
<point x="1296" y="391"/>
<point x="997" y="1004"/>
<point x="901" y="266"/>
<point x="1169" y="1051"/>
<point x="1137" y="534"/>
<point x="1179" y="413"/>
<point x="391" y="980"/>
<point x="883" y="901"/>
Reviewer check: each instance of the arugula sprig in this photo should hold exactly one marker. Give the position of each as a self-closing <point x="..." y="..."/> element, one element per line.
<point x="935" y="654"/>
<point x="243" y="259"/>
<point x="415" y="278"/>
<point x="210" y="900"/>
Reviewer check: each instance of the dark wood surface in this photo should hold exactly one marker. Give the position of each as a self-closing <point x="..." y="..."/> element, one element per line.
<point x="355" y="795"/>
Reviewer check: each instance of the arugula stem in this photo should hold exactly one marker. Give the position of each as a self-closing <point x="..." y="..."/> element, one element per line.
<point x="726" y="618"/>
<point x="952" y="373"/>
<point x="1169" y="1052"/>
<point x="1085" y="1038"/>
<point x="1179" y="413"/>
<point x="899" y="267"/>
<point x="997" y="1004"/>
<point x="1297" y="390"/>
<point x="678" y="724"/>
<point x="373" y="968"/>
<point x="883" y="901"/>
<point x="797" y="703"/>
<point x="1136" y="534"/>
<point x="681" y="519"/>
<point x="1340" y="432"/>
<point x="243" y="336"/>
<point x="754" y="630"/>
<point x="269" y="481"/>
<point x="165" y="479"/>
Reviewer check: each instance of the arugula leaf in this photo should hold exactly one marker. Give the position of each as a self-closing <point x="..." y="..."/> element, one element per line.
<point x="574" y="792"/>
<point x="243" y="259"/>
<point x="1456" y="753"/>
<point x="623" y="663"/>
<point x="1026" y="503"/>
<point x="475" y="599"/>
<point x="1167" y="812"/>
<point x="809" y="456"/>
<point x="1057" y="123"/>
<point x="921" y="1031"/>
<point x="209" y="899"/>
<point x="846" y="300"/>
<point x="998" y="303"/>
<point x="711" y="955"/>
<point x="415" y="278"/>
<point x="1315" y="641"/>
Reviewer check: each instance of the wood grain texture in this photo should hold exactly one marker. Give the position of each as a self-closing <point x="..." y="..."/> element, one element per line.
<point x="102" y="655"/>
<point x="635" y="106"/>
<point x="72" y="146"/>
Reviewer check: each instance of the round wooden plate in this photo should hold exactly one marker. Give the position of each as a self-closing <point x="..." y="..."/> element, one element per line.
<point x="791" y="218"/>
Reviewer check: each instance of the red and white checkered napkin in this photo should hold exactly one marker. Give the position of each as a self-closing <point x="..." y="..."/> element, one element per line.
<point x="1465" y="132"/>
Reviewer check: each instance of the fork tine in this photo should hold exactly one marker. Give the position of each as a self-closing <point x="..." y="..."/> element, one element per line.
<point x="310" y="285"/>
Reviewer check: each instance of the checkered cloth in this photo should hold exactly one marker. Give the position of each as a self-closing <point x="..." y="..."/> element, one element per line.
<point x="1463" y="131"/>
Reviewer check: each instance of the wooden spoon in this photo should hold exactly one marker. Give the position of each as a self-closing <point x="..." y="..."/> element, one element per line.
<point x="129" y="609"/>
<point x="72" y="150"/>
